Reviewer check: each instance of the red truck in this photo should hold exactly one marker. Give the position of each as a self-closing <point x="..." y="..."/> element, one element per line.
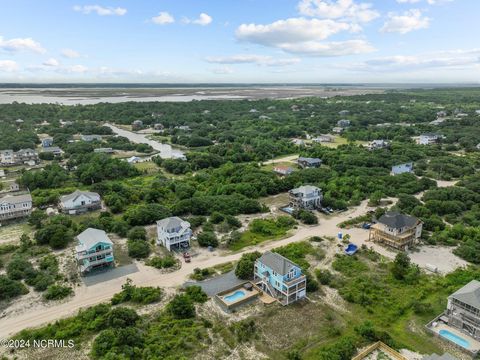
<point x="187" y="257"/>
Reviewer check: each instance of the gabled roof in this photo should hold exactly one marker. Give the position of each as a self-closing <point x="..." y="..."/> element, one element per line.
<point x="309" y="160"/>
<point x="77" y="193"/>
<point x="277" y="262"/>
<point x="91" y="237"/>
<point x="305" y="189"/>
<point x="173" y="222"/>
<point x="396" y="220"/>
<point x="469" y="294"/>
<point x="16" y="199"/>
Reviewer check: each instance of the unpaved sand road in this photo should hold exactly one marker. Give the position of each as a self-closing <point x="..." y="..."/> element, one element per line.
<point x="148" y="276"/>
<point x="290" y="158"/>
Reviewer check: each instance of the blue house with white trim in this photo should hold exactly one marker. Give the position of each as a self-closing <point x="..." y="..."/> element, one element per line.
<point x="94" y="250"/>
<point x="280" y="278"/>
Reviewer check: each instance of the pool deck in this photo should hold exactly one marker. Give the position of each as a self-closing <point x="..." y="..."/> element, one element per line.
<point x="250" y="295"/>
<point x="474" y="345"/>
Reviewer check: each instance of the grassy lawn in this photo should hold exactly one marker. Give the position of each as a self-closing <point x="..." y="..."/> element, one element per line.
<point x="261" y="230"/>
<point x="148" y="166"/>
<point x="13" y="232"/>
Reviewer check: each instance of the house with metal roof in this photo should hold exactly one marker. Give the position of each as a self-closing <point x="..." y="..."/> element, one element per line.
<point x="80" y="202"/>
<point x="397" y="230"/>
<point x="15" y="207"/>
<point x="173" y="233"/>
<point x="94" y="250"/>
<point x="402" y="169"/>
<point x="306" y="162"/>
<point x="306" y="197"/>
<point x="280" y="278"/>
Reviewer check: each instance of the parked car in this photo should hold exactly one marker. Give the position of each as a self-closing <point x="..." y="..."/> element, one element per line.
<point x="187" y="257"/>
<point x="366" y="226"/>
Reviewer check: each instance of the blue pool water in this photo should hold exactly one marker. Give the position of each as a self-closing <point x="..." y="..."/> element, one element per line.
<point x="237" y="295"/>
<point x="455" y="338"/>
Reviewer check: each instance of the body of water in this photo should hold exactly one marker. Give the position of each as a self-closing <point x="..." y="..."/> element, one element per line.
<point x="166" y="151"/>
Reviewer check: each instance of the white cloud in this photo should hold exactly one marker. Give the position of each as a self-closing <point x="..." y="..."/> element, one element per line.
<point x="453" y="59"/>
<point x="163" y="18"/>
<point x="203" y="20"/>
<point x="71" y="54"/>
<point x="290" y="31"/>
<point x="339" y="9"/>
<point x="51" y="62"/>
<point x="100" y="10"/>
<point x="334" y="48"/>
<point x="77" y="69"/>
<point x="409" y="1"/>
<point x="408" y="21"/>
<point x="303" y="36"/>
<point x="8" y="66"/>
<point x="261" y="60"/>
<point x="21" y="44"/>
<point x="223" y="70"/>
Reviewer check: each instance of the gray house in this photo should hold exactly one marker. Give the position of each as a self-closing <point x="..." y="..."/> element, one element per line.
<point x="90" y="138"/>
<point x="305" y="162"/>
<point x="463" y="309"/>
<point x="306" y="197"/>
<point x="15" y="207"/>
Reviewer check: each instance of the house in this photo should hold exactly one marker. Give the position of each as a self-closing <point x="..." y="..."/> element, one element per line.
<point x="173" y="233"/>
<point x="378" y="144"/>
<point x="305" y="162"/>
<point x="343" y="123"/>
<point x="477" y="112"/>
<point x="478" y="146"/>
<point x="298" y="142"/>
<point x="441" y="113"/>
<point x="402" y="168"/>
<point x="183" y="127"/>
<point x="137" y="125"/>
<point x="79" y="202"/>
<point x="324" y="139"/>
<point x="103" y="150"/>
<point x="429" y="138"/>
<point x="337" y="130"/>
<point x="2" y="173"/>
<point x="343" y="113"/>
<point x="19" y="121"/>
<point x="94" y="250"/>
<point x="306" y="197"/>
<point x="47" y="142"/>
<point x="158" y="126"/>
<point x="55" y="150"/>
<point x="90" y="138"/>
<point x="280" y="278"/>
<point x="253" y="111"/>
<point x="15" y="207"/>
<point x="13" y="186"/>
<point x="396" y="230"/>
<point x="26" y="156"/>
<point x="7" y="157"/>
<point x="463" y="309"/>
<point x="282" y="170"/>
<point x="134" y="160"/>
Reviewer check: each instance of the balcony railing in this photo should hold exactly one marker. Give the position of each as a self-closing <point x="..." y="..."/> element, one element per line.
<point x="86" y="255"/>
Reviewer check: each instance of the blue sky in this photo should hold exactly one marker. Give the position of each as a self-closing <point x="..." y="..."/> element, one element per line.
<point x="240" y="41"/>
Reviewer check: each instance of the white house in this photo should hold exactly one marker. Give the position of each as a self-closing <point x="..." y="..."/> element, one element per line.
<point x="173" y="232"/>
<point x="343" y="123"/>
<point x="402" y="168"/>
<point x="378" y="144"/>
<point x="80" y="202"/>
<point x="429" y="138"/>
<point x="15" y="206"/>
<point x="90" y="138"/>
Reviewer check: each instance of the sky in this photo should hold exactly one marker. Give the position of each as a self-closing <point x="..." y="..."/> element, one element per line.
<point x="240" y="41"/>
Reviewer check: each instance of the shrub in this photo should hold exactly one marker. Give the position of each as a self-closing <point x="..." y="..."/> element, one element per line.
<point x="181" y="307"/>
<point x="138" y="249"/>
<point x="162" y="262"/>
<point x="139" y="295"/>
<point x="324" y="276"/>
<point x="196" y="294"/>
<point x="207" y="238"/>
<point x="245" y="266"/>
<point x="137" y="233"/>
<point x="57" y="292"/>
<point x="10" y="289"/>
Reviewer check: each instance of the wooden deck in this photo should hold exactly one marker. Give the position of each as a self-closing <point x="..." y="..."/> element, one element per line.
<point x="379" y="346"/>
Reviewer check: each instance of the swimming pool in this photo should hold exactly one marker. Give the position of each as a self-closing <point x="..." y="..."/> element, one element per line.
<point x="454" y="338"/>
<point x="237" y="295"/>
